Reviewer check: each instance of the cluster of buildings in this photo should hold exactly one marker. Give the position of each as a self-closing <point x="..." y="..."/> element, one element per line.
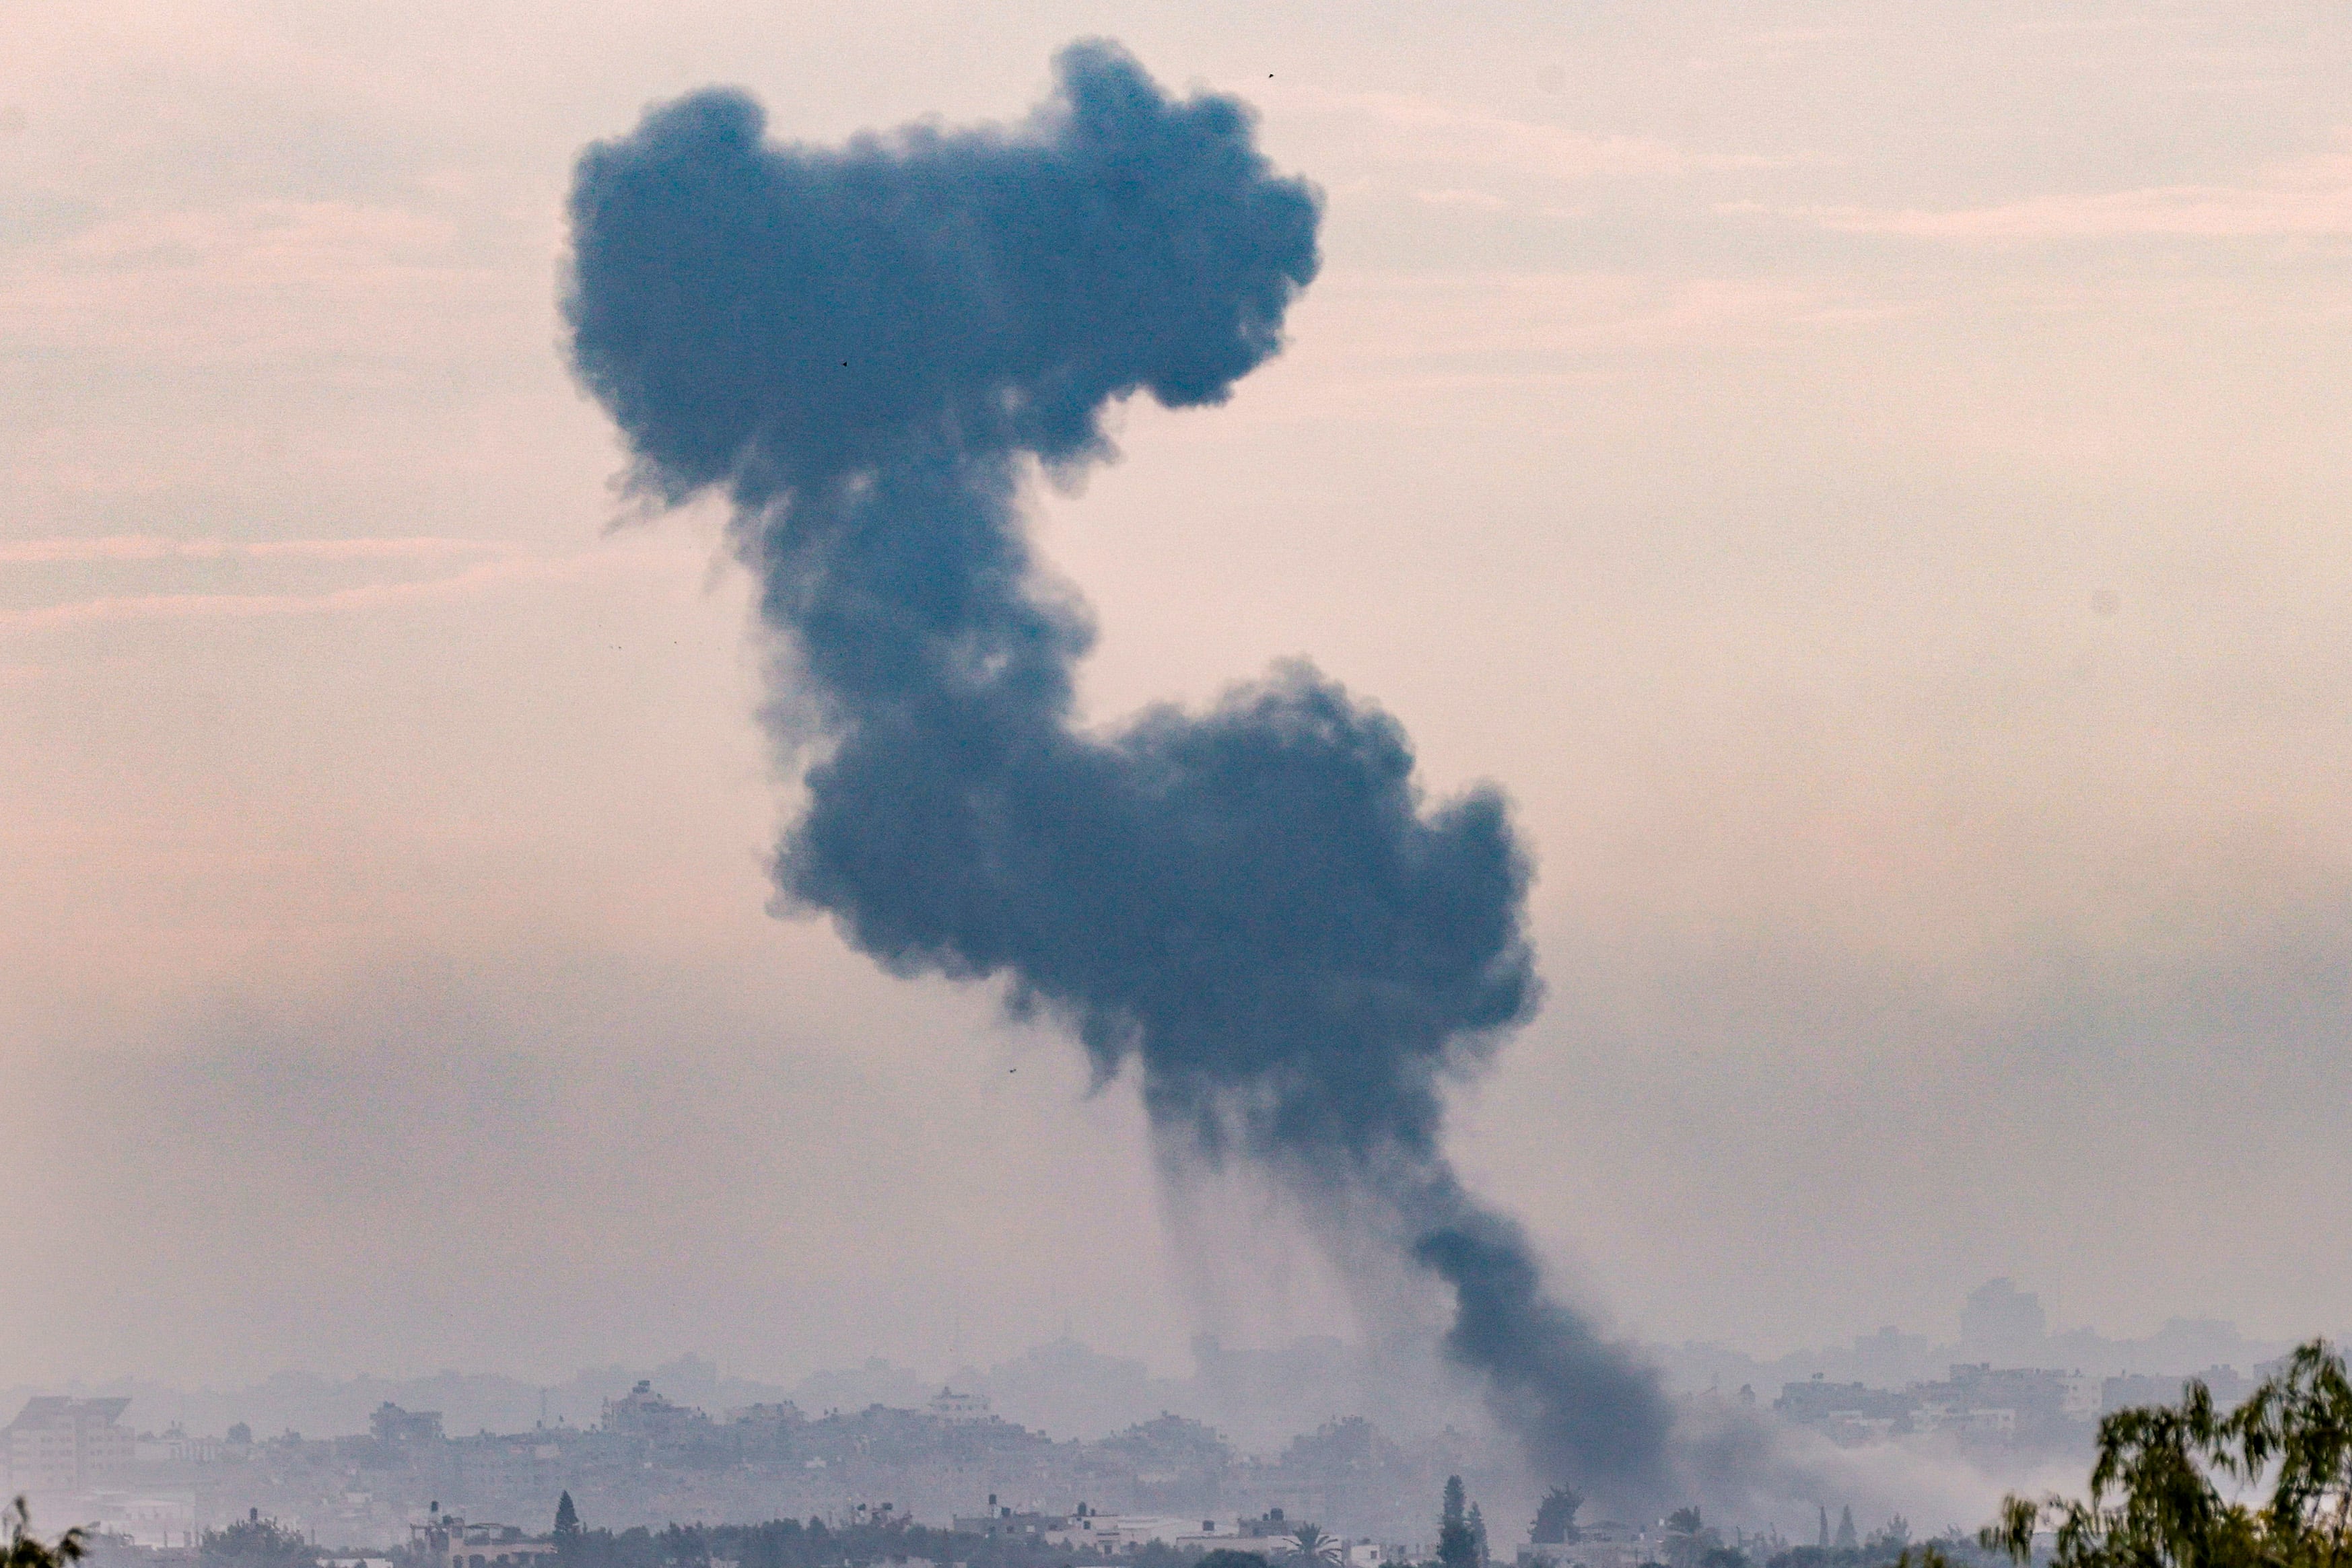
<point x="57" y="1444"/>
<point x="1088" y="1532"/>
<point x="406" y="1482"/>
<point x="446" y="1540"/>
<point x="74" y="1459"/>
<point x="1604" y="1545"/>
<point x="1982" y="1404"/>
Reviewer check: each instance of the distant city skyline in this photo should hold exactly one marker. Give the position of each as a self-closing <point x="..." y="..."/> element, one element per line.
<point x="1866" y="484"/>
<point x="1068" y="1388"/>
<point x="1087" y="1451"/>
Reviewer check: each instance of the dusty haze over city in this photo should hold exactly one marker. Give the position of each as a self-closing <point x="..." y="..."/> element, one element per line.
<point x="1865" y="481"/>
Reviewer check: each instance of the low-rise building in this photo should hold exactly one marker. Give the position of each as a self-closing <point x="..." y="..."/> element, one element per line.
<point x="950" y="1406"/>
<point x="1111" y="1534"/>
<point x="1604" y="1544"/>
<point x="1004" y="1522"/>
<point x="445" y="1541"/>
<point x="392" y="1424"/>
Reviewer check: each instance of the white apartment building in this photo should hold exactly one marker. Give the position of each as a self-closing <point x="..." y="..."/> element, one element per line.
<point x="58" y="1445"/>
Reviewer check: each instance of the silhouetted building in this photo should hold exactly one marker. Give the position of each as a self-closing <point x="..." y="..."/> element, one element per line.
<point x="2003" y="1321"/>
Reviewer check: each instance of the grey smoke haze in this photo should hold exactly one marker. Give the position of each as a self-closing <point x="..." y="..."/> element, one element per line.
<point x="1253" y="907"/>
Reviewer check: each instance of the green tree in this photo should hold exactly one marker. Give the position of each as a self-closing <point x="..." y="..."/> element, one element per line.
<point x="1889" y="1538"/>
<point x="26" y="1549"/>
<point x="2156" y="1491"/>
<point x="1457" y="1547"/>
<point x="567" y="1521"/>
<point x="254" y="1542"/>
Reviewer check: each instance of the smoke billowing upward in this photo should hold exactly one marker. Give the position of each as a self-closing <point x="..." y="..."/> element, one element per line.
<point x="1252" y="907"/>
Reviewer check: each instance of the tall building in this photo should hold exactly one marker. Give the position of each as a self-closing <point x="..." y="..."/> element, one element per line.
<point x="642" y="1413"/>
<point x="59" y="1445"/>
<point x="2003" y="1323"/>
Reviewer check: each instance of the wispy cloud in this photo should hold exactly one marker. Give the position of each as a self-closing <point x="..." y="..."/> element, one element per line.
<point x="1417" y="128"/>
<point x="132" y="547"/>
<point x="304" y="237"/>
<point x="1395" y="319"/>
<point x="255" y="281"/>
<point x="486" y="577"/>
<point x="1475" y="200"/>
<point x="2309" y="197"/>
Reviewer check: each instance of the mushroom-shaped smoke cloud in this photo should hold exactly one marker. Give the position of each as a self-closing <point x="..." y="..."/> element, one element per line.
<point x="1251" y="907"/>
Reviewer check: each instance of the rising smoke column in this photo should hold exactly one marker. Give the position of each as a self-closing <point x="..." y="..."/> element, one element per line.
<point x="861" y="347"/>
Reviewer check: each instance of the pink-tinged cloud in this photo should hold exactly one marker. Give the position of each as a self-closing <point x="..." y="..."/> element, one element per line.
<point x="1420" y="128"/>
<point x="149" y="547"/>
<point x="2310" y="196"/>
<point x="487" y="577"/>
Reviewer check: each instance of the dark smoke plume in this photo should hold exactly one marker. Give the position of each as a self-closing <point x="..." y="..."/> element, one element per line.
<point x="861" y="347"/>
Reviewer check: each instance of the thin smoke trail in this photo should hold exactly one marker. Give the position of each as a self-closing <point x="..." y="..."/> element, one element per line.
<point x="1252" y="907"/>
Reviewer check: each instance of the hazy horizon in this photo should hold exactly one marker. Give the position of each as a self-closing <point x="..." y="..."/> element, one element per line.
<point x="2181" y="1345"/>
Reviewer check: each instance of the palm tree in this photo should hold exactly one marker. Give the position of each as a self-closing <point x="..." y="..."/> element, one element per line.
<point x="26" y="1549"/>
<point x="1314" y="1544"/>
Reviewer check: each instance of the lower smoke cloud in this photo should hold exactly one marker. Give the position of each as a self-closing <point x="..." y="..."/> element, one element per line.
<point x="1254" y="908"/>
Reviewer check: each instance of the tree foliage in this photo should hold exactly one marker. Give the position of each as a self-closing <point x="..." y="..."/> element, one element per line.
<point x="1457" y="1543"/>
<point x="2179" y="1485"/>
<point x="1313" y="1544"/>
<point x="25" y="1549"/>
<point x="1556" y="1517"/>
<point x="1688" y="1540"/>
<point x="254" y="1542"/>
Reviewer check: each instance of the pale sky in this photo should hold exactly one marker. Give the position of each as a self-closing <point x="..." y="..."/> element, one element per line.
<point x="1867" y="480"/>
